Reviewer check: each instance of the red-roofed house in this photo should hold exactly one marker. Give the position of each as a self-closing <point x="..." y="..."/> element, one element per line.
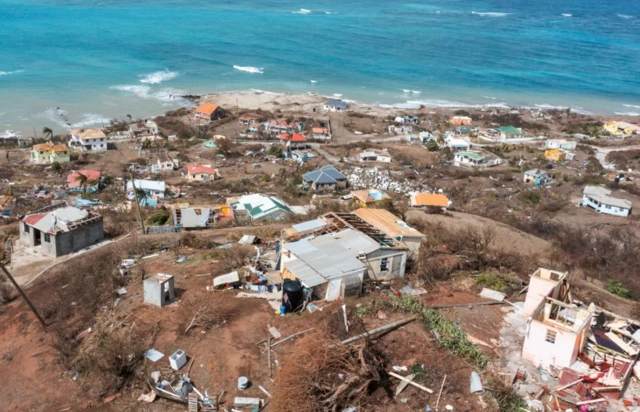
<point x="293" y="141"/>
<point x="197" y="173"/>
<point x="75" y="182"/>
<point x="61" y="229"/>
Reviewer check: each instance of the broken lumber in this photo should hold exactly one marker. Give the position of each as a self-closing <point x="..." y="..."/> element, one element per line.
<point x="590" y="401"/>
<point x="459" y="305"/>
<point x="402" y="385"/>
<point x="264" y="391"/>
<point x="290" y="336"/>
<point x="568" y="385"/>
<point x="412" y="383"/>
<point x="380" y="329"/>
<point x="440" y="394"/>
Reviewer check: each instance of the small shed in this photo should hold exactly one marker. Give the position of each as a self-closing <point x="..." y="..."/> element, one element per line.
<point x="159" y="289"/>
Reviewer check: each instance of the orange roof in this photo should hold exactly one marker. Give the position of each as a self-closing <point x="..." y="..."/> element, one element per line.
<point x="43" y="146"/>
<point x="296" y="137"/>
<point x="194" y="169"/>
<point x="207" y="108"/>
<point x="60" y="148"/>
<point x="320" y="130"/>
<point x="431" y="199"/>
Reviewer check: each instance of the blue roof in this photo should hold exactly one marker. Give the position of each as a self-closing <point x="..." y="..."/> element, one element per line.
<point x="325" y="175"/>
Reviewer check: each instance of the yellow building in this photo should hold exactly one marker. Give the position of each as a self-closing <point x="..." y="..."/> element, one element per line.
<point x="554" y="154"/>
<point x="621" y="128"/>
<point x="49" y="153"/>
<point x="368" y="197"/>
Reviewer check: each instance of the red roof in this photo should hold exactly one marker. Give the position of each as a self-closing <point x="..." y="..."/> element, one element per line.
<point x="91" y="175"/>
<point x="295" y="138"/>
<point x="195" y="169"/>
<point x="33" y="219"/>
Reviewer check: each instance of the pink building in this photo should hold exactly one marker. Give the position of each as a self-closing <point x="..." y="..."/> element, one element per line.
<point x="556" y="331"/>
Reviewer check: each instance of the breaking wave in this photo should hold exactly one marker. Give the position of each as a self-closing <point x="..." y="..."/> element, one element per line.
<point x="632" y="105"/>
<point x="567" y="15"/>
<point x="489" y="14"/>
<point x="249" y="69"/>
<point x="627" y="113"/>
<point x="8" y="73"/>
<point x="158" y="77"/>
<point x="624" y="16"/>
<point x="416" y="104"/>
<point x="91" y="119"/>
<point x="166" y="95"/>
<point x="302" y="11"/>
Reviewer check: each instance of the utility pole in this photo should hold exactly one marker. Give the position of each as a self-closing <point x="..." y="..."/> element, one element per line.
<point x="33" y="309"/>
<point x="137" y="201"/>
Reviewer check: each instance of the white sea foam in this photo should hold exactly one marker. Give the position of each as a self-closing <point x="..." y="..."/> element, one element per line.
<point x="302" y="11"/>
<point x="57" y="116"/>
<point x="416" y="91"/>
<point x="166" y="95"/>
<point x="546" y="106"/>
<point x="263" y="91"/>
<point x="91" y="119"/>
<point x="313" y="81"/>
<point x="406" y="90"/>
<point x="138" y="90"/>
<point x="632" y="105"/>
<point x="416" y="104"/>
<point x="567" y="15"/>
<point x="158" y="77"/>
<point x="249" y="69"/>
<point x="490" y="98"/>
<point x="337" y="95"/>
<point x="628" y="113"/>
<point x="624" y="16"/>
<point x="489" y="14"/>
<point x="330" y="12"/>
<point x="8" y="73"/>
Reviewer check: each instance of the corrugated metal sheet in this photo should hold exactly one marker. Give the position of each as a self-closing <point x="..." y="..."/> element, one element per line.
<point x="309" y="225"/>
<point x="221" y="280"/>
<point x="329" y="256"/>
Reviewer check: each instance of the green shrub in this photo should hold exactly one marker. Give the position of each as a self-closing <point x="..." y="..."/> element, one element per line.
<point x="500" y="282"/>
<point x="618" y="289"/>
<point x="530" y="197"/>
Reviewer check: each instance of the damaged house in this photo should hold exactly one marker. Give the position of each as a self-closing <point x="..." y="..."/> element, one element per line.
<point x="334" y="254"/>
<point x="61" y="229"/>
<point x="593" y="351"/>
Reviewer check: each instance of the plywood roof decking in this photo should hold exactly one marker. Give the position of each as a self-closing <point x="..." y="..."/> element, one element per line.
<point x="387" y="222"/>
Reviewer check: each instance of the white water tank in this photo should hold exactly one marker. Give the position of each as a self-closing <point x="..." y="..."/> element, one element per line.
<point x="178" y="359"/>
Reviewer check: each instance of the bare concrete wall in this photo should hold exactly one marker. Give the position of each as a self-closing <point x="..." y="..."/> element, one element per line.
<point x="80" y="238"/>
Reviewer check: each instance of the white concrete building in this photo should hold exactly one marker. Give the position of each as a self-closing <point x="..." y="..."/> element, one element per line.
<point x="373" y="155"/>
<point x="560" y="144"/>
<point x="600" y="199"/>
<point x="88" y="140"/>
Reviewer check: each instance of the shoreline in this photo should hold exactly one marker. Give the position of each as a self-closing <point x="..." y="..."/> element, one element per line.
<point x="255" y="99"/>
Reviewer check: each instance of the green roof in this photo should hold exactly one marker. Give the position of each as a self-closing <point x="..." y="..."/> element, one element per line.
<point x="510" y="130"/>
<point x="471" y="155"/>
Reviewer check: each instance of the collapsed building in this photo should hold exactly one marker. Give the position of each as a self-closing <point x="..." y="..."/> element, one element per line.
<point x="592" y="351"/>
<point x="333" y="255"/>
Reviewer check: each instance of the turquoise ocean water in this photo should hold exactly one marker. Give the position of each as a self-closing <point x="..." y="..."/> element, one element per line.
<point x="98" y="59"/>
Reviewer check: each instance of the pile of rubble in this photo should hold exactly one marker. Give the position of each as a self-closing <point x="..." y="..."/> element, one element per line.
<point x="375" y="178"/>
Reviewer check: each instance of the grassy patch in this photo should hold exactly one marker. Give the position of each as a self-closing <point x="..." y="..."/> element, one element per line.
<point x="500" y="282"/>
<point x="530" y="197"/>
<point x="451" y="335"/>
